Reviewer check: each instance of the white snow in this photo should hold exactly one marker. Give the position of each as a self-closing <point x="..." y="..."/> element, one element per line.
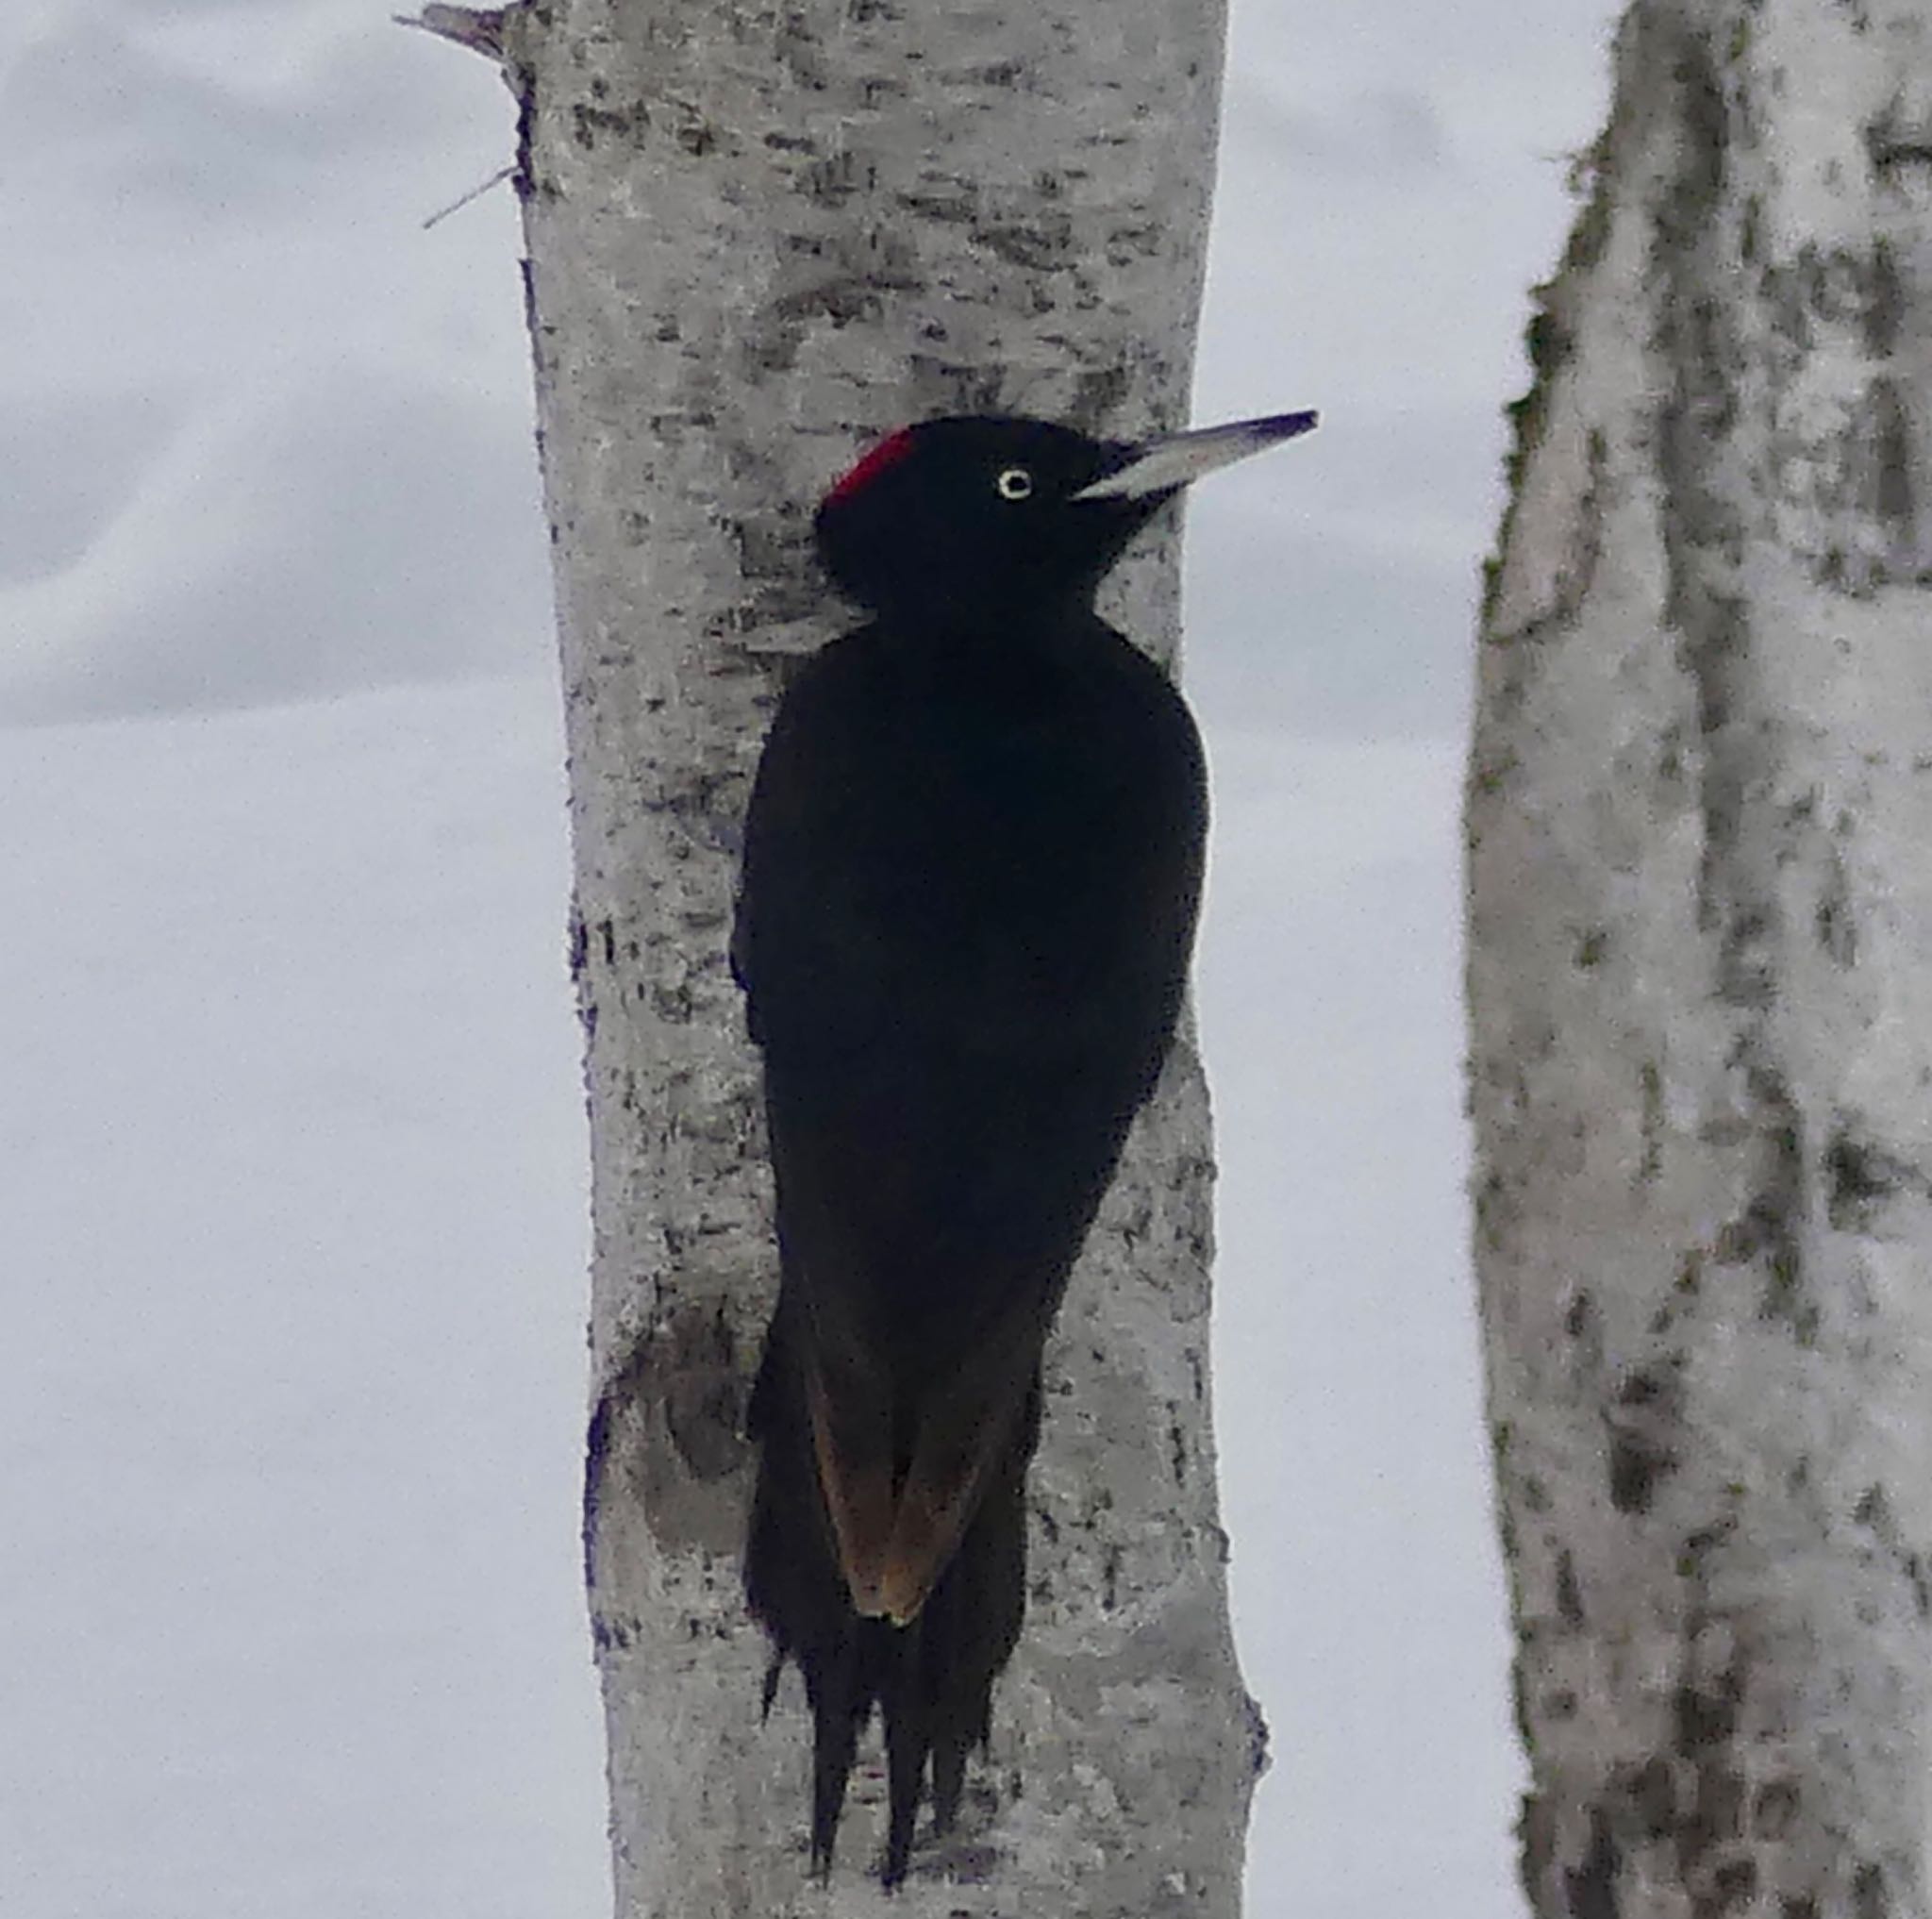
<point x="290" y="1391"/>
<point x="1355" y="1475"/>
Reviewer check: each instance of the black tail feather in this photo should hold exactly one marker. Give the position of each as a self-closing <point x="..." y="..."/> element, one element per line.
<point x="948" y="1783"/>
<point x="932" y="1679"/>
<point x="905" y="1702"/>
<point x="840" y="1706"/>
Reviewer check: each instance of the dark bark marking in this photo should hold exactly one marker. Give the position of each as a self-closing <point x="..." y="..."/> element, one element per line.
<point x="1716" y="1821"/>
<point x="1870" y="1900"/>
<point x="1099" y="393"/>
<point x="1636" y="1469"/>
<point x="590" y="120"/>
<point x="1705" y="1717"/>
<point x="1705" y="1712"/>
<point x="1642" y="1424"/>
<point x="1884" y="301"/>
<point x="1775" y="1809"/>
<point x="1733" y="1885"/>
<point x="1874" y="1513"/>
<point x="1767" y="1233"/>
<point x="597" y="1462"/>
<point x="1044" y="246"/>
<point x="1495" y="1212"/>
<point x="1697" y="1546"/>
<point x="1835" y="286"/>
<point x="1257" y="1726"/>
<point x="1838" y="932"/>
<point x="1862" y="478"/>
<point x="1569" y="1594"/>
<point x="1651" y="1108"/>
<point x="1651" y="1790"/>
<point x="842" y="301"/>
<point x="1591" y="1888"/>
<point x="1893" y="500"/>
<point x="578" y="950"/>
<point x="1894" y="147"/>
<point x="1859" y="1179"/>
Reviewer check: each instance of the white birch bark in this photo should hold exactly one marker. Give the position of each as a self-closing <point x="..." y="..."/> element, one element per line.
<point x="1700" y="816"/>
<point x="758" y="235"/>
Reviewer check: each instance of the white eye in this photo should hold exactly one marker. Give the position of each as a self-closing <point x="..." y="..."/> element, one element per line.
<point x="1015" y="483"/>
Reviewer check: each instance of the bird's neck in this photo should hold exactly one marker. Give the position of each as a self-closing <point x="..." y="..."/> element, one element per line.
<point x="985" y="627"/>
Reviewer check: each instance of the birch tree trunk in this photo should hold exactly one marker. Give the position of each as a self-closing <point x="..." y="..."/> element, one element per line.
<point x="1700" y="816"/>
<point x="758" y="235"/>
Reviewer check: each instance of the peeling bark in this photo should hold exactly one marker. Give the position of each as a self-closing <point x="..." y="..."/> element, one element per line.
<point x="1700" y="984"/>
<point x="758" y="236"/>
<point x="481" y="31"/>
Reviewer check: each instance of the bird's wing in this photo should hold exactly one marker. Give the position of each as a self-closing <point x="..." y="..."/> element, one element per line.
<point x="849" y="1402"/>
<point x="791" y="935"/>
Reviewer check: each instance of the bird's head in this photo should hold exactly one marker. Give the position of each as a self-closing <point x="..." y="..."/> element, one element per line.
<point x="993" y="516"/>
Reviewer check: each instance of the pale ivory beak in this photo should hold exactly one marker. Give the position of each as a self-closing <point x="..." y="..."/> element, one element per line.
<point x="1177" y="460"/>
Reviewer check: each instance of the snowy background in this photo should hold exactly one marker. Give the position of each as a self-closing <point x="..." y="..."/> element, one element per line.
<point x="290" y="1625"/>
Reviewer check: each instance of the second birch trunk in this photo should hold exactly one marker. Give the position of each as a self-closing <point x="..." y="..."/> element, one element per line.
<point x="1701" y="981"/>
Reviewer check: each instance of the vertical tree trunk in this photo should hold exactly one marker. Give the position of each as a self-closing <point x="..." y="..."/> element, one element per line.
<point x="758" y="234"/>
<point x="1700" y="984"/>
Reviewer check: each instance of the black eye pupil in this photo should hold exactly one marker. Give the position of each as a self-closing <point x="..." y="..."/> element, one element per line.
<point x="1016" y="483"/>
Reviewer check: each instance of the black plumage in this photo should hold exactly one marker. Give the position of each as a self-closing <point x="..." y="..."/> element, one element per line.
<point x="972" y="867"/>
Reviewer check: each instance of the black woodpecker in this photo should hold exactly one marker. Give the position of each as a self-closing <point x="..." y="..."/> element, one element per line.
<point x="972" y="867"/>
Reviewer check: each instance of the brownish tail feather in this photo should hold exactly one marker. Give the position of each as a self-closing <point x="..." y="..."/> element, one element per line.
<point x="854" y="1474"/>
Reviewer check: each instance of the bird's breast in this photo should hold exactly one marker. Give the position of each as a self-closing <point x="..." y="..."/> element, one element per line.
<point x="973" y="860"/>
